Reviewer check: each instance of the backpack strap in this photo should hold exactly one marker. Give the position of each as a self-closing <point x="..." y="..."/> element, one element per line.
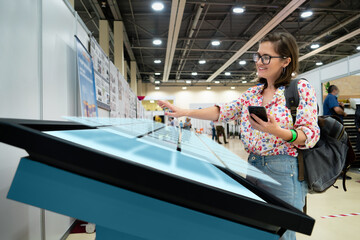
<point x="292" y="97"/>
<point x="292" y="102"/>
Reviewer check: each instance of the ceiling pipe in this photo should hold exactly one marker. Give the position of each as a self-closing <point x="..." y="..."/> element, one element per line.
<point x="331" y="44"/>
<point x="195" y="22"/>
<point x="95" y="5"/>
<point x="177" y="11"/>
<point x="90" y="16"/>
<point x="117" y="16"/>
<point x="114" y="9"/>
<point x="328" y="32"/>
<point x="285" y="12"/>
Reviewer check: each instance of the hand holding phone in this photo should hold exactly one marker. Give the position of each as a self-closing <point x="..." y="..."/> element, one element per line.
<point x="259" y="111"/>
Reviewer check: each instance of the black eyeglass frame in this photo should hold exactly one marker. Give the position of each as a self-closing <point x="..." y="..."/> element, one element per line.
<point x="257" y="56"/>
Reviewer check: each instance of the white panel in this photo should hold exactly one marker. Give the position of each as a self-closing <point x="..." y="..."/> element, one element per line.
<point x="19" y="98"/>
<point x="59" y="76"/>
<point x="314" y="78"/>
<point x="59" y="63"/>
<point x="334" y="70"/>
<point x="19" y="81"/>
<point x="83" y="35"/>
<point x="354" y="64"/>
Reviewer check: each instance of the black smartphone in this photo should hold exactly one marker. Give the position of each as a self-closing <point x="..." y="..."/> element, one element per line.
<point x="259" y="111"/>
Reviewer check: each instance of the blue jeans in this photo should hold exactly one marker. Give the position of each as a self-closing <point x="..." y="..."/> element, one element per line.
<point x="284" y="169"/>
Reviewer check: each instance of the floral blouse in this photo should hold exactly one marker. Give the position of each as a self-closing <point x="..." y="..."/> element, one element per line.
<point x="266" y="144"/>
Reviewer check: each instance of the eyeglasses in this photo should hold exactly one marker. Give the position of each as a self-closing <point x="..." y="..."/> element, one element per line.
<point x="265" y="59"/>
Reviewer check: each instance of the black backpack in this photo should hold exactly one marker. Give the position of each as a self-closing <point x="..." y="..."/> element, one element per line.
<point x="321" y="165"/>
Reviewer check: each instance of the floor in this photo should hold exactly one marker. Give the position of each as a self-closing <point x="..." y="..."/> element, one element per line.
<point x="333" y="202"/>
<point x="81" y="236"/>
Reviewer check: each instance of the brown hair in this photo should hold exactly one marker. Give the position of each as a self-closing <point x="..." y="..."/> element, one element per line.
<point x="285" y="45"/>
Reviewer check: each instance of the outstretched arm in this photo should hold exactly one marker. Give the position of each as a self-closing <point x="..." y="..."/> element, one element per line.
<point x="210" y="113"/>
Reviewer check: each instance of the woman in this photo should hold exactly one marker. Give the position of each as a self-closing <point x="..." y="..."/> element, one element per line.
<point x="273" y="144"/>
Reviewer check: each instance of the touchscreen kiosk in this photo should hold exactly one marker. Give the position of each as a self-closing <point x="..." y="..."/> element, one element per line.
<point x="139" y="179"/>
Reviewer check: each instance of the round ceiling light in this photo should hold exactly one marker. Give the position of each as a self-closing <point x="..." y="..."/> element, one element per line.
<point x="314" y="46"/>
<point x="238" y="10"/>
<point x="215" y="43"/>
<point x="157" y="6"/>
<point x="306" y="14"/>
<point x="157" y="42"/>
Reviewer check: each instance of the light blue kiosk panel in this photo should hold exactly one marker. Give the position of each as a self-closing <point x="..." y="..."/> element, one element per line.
<point x="119" y="213"/>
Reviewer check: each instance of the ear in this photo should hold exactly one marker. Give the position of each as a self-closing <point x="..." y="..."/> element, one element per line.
<point x="287" y="61"/>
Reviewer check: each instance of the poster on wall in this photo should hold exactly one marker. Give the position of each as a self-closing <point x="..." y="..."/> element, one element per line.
<point x="133" y="104"/>
<point x="100" y="59"/>
<point x="121" y="85"/>
<point x="86" y="80"/>
<point x="102" y="92"/>
<point x="126" y="98"/>
<point x="102" y="75"/>
<point x="114" y="92"/>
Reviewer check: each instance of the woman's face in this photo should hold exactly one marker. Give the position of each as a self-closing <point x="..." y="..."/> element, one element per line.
<point x="274" y="69"/>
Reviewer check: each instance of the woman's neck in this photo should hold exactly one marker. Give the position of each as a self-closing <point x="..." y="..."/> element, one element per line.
<point x="270" y="84"/>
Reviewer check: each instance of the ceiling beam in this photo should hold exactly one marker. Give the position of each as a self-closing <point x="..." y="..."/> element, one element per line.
<point x="193" y="50"/>
<point x="187" y="43"/>
<point x="331" y="44"/>
<point x="222" y="39"/>
<point x="329" y="31"/>
<point x="250" y="5"/>
<point x="177" y="11"/>
<point x="223" y="3"/>
<point x="285" y="12"/>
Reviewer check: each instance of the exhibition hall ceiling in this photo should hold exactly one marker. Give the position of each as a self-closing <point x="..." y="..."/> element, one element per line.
<point x="187" y="31"/>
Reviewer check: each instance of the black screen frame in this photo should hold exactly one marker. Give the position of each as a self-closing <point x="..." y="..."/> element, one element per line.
<point x="275" y="216"/>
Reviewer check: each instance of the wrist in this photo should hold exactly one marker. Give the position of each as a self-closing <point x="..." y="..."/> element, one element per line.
<point x="284" y="134"/>
<point x="186" y="112"/>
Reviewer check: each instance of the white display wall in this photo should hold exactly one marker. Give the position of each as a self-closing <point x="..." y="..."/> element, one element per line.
<point x="38" y="69"/>
<point x="38" y="81"/>
<point x="19" y="98"/>
<point x="344" y="67"/>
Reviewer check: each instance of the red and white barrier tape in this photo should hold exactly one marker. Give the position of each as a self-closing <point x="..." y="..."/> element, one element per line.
<point x="341" y="215"/>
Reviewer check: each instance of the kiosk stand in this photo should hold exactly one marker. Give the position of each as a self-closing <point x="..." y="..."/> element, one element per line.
<point x="118" y="213"/>
<point x="102" y="175"/>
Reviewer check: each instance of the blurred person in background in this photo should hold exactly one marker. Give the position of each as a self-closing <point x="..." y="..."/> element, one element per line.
<point x="332" y="106"/>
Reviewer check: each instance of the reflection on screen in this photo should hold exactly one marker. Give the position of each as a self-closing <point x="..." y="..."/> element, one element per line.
<point x="180" y="153"/>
